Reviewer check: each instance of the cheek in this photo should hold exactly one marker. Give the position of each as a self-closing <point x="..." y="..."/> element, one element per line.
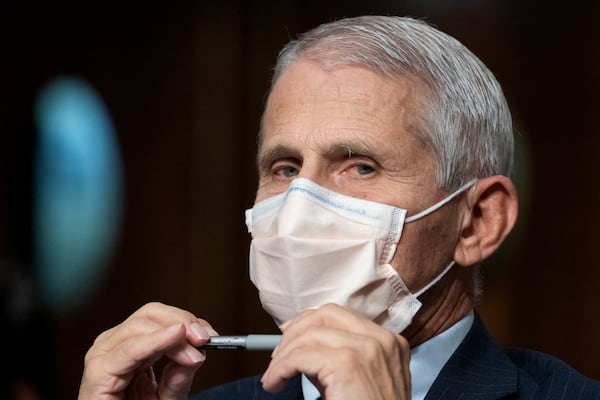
<point x="365" y="190"/>
<point x="413" y="257"/>
<point x="425" y="248"/>
<point x="267" y="189"/>
<point x="261" y="194"/>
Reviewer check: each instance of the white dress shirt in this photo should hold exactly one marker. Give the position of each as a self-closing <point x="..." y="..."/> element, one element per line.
<point x="426" y="360"/>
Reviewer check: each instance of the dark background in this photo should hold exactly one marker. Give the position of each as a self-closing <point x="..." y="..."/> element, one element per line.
<point x="185" y="85"/>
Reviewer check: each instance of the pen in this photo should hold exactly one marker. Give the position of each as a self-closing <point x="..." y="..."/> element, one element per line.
<point x="249" y="342"/>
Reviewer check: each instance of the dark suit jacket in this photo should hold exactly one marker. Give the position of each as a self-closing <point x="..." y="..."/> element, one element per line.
<point x="479" y="369"/>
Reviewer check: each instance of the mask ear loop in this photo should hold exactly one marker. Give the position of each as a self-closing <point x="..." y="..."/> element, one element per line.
<point x="434" y="281"/>
<point x="441" y="203"/>
<point x="429" y="211"/>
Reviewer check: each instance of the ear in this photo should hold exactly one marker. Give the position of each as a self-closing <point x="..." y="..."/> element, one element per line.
<point x="489" y="215"/>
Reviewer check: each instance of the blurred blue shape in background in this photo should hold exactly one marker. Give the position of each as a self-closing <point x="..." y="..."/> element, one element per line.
<point x="77" y="203"/>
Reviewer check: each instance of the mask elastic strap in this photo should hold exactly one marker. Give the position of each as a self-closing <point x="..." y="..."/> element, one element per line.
<point x="440" y="203"/>
<point x="436" y="280"/>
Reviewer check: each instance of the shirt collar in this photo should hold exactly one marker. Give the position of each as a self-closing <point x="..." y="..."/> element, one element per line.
<point x="426" y="359"/>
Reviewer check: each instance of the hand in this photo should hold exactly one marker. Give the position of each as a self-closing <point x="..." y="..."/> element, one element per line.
<point x="120" y="363"/>
<point x="345" y="355"/>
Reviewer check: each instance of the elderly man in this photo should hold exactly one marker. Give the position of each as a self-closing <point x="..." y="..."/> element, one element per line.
<point x="384" y="158"/>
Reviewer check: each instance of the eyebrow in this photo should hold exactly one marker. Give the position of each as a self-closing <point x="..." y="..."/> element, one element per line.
<point x="335" y="151"/>
<point x="350" y="148"/>
<point x="266" y="157"/>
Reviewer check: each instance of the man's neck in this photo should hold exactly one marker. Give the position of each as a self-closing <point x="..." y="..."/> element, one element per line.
<point x="443" y="305"/>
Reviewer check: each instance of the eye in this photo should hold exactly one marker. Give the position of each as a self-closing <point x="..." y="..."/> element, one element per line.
<point x="288" y="171"/>
<point x="285" y="169"/>
<point x="364" y="169"/>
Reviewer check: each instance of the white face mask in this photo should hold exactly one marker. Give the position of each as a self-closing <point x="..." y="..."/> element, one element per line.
<point x="311" y="246"/>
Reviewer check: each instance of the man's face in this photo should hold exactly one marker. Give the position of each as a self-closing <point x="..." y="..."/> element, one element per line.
<point x="349" y="130"/>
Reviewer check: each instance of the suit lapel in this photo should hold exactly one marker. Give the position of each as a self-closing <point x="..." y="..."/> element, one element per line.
<point x="479" y="369"/>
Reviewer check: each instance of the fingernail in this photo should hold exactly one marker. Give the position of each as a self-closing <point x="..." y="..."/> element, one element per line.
<point x="195" y="355"/>
<point x="198" y="331"/>
<point x="212" y="332"/>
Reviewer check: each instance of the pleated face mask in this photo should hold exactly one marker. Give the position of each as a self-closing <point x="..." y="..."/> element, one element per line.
<point x="312" y="246"/>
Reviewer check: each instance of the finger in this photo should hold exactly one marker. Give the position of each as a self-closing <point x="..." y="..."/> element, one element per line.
<point x="275" y="378"/>
<point x="335" y="317"/>
<point x="165" y="315"/>
<point x="311" y="352"/>
<point x="333" y="328"/>
<point x="143" y="386"/>
<point x="108" y="373"/>
<point x="176" y="381"/>
<point x="150" y="318"/>
<point x="186" y="354"/>
<point x="330" y="369"/>
<point x="198" y="330"/>
<point x="132" y="327"/>
<point x="308" y="354"/>
<point x="330" y="315"/>
<point x="342" y="364"/>
<point x="140" y="352"/>
<point x="198" y="333"/>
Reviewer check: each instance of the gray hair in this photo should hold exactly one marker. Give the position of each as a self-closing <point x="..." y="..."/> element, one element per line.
<point x="465" y="120"/>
